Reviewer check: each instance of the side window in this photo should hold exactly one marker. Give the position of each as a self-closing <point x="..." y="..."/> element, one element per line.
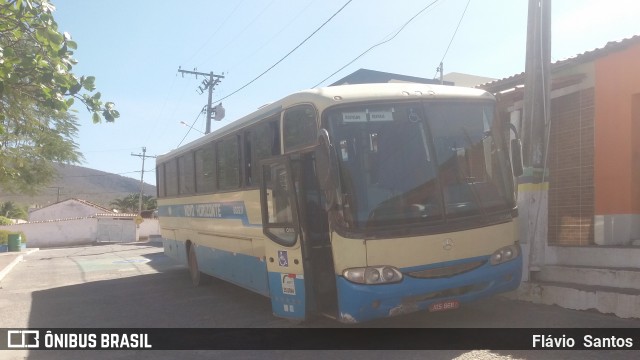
<point x="228" y="163"/>
<point x="261" y="142"/>
<point x="300" y="127"/>
<point x="185" y="171"/>
<point x="160" y="180"/>
<point x="171" y="177"/>
<point x="205" y="180"/>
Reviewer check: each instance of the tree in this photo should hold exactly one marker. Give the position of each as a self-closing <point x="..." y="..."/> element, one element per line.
<point x="30" y="145"/>
<point x="10" y="210"/>
<point x="37" y="90"/>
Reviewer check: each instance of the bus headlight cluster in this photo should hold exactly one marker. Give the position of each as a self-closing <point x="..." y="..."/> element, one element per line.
<point x="504" y="254"/>
<point x="373" y="275"/>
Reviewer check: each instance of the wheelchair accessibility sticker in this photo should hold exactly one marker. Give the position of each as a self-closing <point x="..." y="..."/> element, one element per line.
<point x="283" y="258"/>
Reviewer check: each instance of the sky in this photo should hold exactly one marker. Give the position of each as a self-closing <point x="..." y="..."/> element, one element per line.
<point x="134" y="49"/>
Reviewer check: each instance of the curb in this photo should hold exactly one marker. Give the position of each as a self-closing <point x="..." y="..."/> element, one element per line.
<point x="15" y="261"/>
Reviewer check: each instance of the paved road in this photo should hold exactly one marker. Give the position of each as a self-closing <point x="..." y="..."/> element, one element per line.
<point x="135" y="285"/>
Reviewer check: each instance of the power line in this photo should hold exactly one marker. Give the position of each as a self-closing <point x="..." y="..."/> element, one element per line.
<point x="246" y="58"/>
<point x="380" y="43"/>
<point x="216" y="31"/>
<point x="161" y="109"/>
<point x="289" y="53"/>
<point x="452" y="37"/>
<point x="191" y="127"/>
<point x="232" y="40"/>
<point x="106" y="150"/>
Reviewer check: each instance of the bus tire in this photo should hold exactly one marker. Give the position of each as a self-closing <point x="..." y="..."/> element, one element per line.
<point x="197" y="278"/>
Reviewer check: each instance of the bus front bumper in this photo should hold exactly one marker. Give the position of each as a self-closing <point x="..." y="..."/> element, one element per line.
<point x="358" y="303"/>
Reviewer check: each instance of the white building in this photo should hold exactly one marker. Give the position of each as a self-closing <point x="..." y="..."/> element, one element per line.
<point x="79" y="222"/>
<point x="70" y="208"/>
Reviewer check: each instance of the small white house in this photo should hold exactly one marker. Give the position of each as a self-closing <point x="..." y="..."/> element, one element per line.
<point x="77" y="222"/>
<point x="67" y="209"/>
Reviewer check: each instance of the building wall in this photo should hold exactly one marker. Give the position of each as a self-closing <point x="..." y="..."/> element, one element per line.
<point x="148" y="228"/>
<point x="57" y="233"/>
<point x="617" y="141"/>
<point x="81" y="231"/>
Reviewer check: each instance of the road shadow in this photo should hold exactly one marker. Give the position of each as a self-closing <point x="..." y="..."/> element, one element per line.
<point x="167" y="299"/>
<point x="164" y="299"/>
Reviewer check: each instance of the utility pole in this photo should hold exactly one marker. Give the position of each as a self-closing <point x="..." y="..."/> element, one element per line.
<point x="207" y="84"/>
<point x="535" y="127"/>
<point x="58" y="188"/>
<point x="143" y="156"/>
<point x="439" y="70"/>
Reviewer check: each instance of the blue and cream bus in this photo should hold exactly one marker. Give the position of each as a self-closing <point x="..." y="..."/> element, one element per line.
<point x="356" y="202"/>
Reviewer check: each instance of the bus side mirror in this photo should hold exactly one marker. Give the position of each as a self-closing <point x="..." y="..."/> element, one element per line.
<point x="326" y="170"/>
<point x="516" y="157"/>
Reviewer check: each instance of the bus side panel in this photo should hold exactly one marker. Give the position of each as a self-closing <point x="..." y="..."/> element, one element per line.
<point x="175" y="249"/>
<point x="243" y="270"/>
<point x="226" y="231"/>
<point x="287" y="295"/>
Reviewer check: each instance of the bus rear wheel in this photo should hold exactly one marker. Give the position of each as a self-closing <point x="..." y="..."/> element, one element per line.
<point x="197" y="278"/>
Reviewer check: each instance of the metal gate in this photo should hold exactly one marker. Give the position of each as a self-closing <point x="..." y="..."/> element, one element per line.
<point x="116" y="230"/>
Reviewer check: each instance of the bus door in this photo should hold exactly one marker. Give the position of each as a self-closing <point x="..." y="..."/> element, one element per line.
<point x="317" y="250"/>
<point x="283" y="248"/>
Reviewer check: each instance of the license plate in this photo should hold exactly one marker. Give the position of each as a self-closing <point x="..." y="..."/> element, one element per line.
<point x="444" y="305"/>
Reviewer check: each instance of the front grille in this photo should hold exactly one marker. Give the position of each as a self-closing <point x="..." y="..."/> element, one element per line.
<point x="446" y="271"/>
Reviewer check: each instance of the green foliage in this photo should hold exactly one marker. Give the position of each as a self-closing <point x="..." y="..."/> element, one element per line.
<point x="130" y="203"/>
<point x="35" y="137"/>
<point x="11" y="210"/>
<point x="4" y="236"/>
<point x="37" y="89"/>
<point x="5" y="221"/>
<point x="36" y="60"/>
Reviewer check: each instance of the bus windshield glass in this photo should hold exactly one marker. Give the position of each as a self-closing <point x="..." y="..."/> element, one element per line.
<point x="420" y="163"/>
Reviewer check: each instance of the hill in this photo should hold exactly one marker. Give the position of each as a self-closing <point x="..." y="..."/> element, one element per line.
<point x="79" y="182"/>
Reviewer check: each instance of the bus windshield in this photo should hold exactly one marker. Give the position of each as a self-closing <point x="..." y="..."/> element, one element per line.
<point x="420" y="162"/>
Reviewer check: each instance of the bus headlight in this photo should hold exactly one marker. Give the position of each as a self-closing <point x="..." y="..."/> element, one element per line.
<point x="504" y="254"/>
<point x="373" y="275"/>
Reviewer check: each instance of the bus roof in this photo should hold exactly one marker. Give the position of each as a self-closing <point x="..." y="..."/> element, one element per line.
<point x="336" y="95"/>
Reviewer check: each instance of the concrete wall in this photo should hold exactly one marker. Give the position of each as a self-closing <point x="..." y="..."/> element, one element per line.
<point x="617" y="140"/>
<point x="79" y="231"/>
<point x="57" y="233"/>
<point x="116" y="230"/>
<point x="148" y="228"/>
<point x="617" y="230"/>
